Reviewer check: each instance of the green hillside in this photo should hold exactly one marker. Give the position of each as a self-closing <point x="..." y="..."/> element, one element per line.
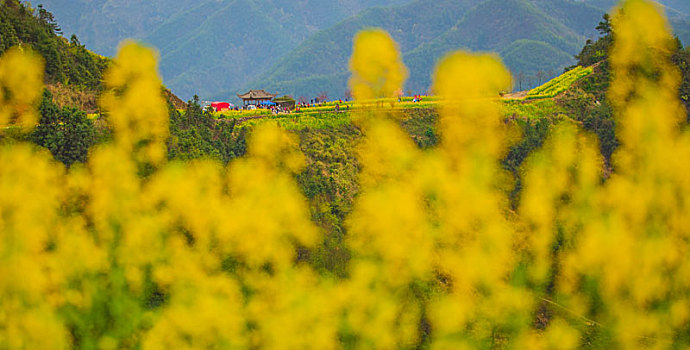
<point x="496" y="24"/>
<point x="528" y="56"/>
<point x="578" y="16"/>
<point x="326" y="54"/>
<point x="202" y="52"/>
<point x="558" y="85"/>
<point x="102" y="24"/>
<point x="501" y="26"/>
<point x="535" y="38"/>
<point x="530" y="36"/>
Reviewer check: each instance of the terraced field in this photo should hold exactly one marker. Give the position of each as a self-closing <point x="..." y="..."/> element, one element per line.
<point x="559" y="84"/>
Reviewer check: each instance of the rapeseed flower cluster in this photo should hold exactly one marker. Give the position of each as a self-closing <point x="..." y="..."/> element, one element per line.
<point x="21" y="80"/>
<point x="376" y="66"/>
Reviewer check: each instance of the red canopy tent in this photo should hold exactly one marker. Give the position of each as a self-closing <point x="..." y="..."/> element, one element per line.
<point x="220" y="106"/>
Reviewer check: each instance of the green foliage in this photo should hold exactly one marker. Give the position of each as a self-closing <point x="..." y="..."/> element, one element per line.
<point x="593" y="112"/>
<point x="596" y="51"/>
<point x="597" y="83"/>
<point x="559" y="84"/>
<point x="531" y="109"/>
<point x="420" y="124"/>
<point x="329" y="181"/>
<point x="533" y="133"/>
<point x="591" y="107"/>
<point x="195" y="134"/>
<point x="66" y="63"/>
<point x="681" y="58"/>
<point x="66" y="132"/>
<point x="533" y="120"/>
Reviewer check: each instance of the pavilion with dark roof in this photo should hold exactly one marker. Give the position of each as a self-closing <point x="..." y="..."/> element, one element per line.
<point x="255" y="97"/>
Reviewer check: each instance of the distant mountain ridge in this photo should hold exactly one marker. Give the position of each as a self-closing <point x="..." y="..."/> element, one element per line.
<point x="321" y="62"/>
<point x="514" y="28"/>
<point x="216" y="48"/>
<point x="208" y="45"/>
<point x="535" y="38"/>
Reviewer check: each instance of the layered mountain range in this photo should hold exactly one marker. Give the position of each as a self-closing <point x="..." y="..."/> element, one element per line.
<point x="216" y="48"/>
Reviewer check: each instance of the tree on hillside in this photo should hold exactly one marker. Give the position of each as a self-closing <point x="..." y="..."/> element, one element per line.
<point x="195" y="134"/>
<point x="597" y="51"/>
<point x="48" y="19"/>
<point x="8" y="37"/>
<point x="541" y="75"/>
<point x="681" y="59"/>
<point x="604" y="27"/>
<point x="66" y="132"/>
<point x="74" y="41"/>
<point x="520" y="77"/>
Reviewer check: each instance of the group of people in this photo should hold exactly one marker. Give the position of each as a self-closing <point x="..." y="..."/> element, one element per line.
<point x="337" y="106"/>
<point x="278" y="109"/>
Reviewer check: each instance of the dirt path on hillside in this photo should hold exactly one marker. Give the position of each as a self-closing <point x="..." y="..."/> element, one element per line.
<point x="520" y="95"/>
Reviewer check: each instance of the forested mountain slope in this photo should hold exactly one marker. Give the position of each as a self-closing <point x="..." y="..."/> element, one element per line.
<point x="532" y="36"/>
<point x="102" y="24"/>
<point x="535" y="38"/>
<point x="528" y="38"/>
<point x="321" y="62"/>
